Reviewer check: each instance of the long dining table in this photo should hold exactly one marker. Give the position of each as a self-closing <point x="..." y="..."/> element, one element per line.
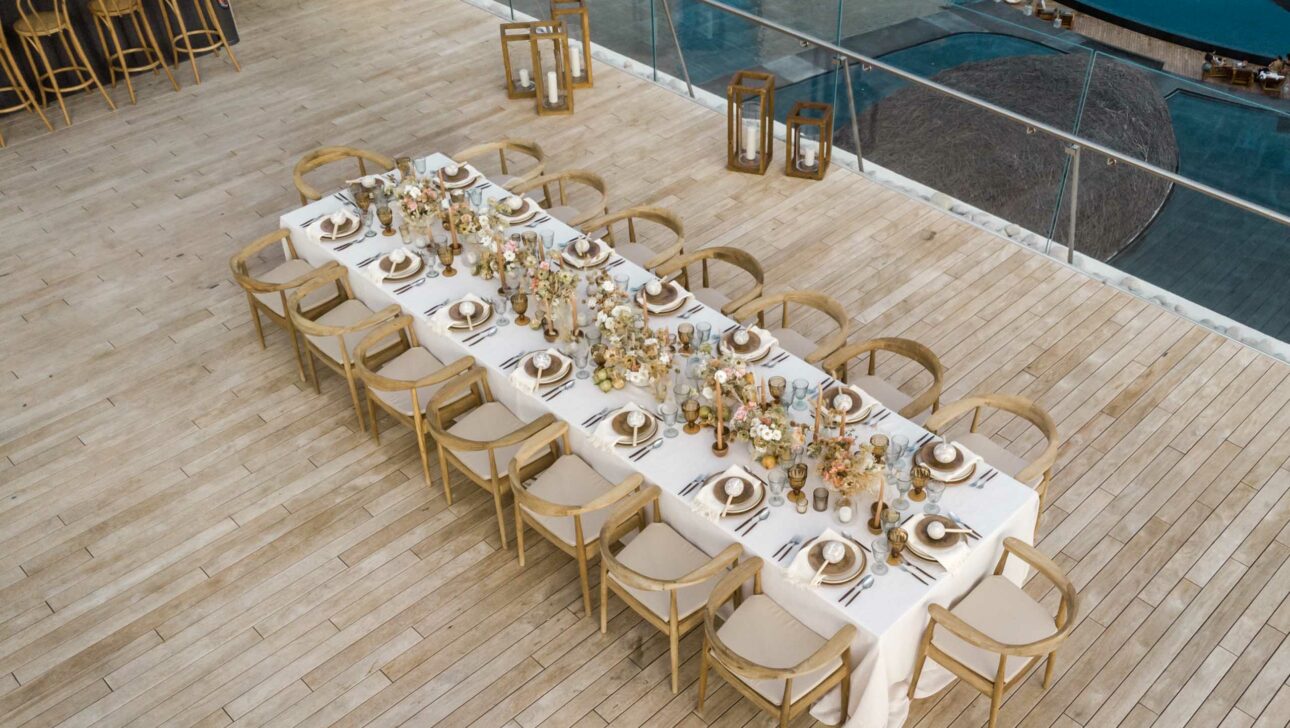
<point x="890" y="616"/>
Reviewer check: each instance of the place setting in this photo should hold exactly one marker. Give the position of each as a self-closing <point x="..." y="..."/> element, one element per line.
<point x="949" y="462"/>
<point x="338" y="228"/>
<point x="517" y="210"/>
<point x="584" y="253"/>
<point x="752" y="344"/>
<point x="827" y="560"/>
<point x="661" y="298"/>
<point x="468" y="315"/>
<point x="541" y="370"/>
<point x="732" y="492"/>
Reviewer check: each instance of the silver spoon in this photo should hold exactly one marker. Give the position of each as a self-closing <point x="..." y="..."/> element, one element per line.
<point x="478" y="339"/>
<point x="865" y="583"/>
<point x="648" y="449"/>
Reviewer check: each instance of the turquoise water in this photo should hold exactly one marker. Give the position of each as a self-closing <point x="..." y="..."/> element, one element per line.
<point x="1255" y="27"/>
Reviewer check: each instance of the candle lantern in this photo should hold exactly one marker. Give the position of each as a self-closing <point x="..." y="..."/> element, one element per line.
<point x="810" y="140"/>
<point x="574" y="14"/>
<point x="750" y="115"/>
<point x="519" y="77"/>
<point x="549" y="47"/>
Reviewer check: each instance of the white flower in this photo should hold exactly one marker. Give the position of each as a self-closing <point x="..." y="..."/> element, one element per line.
<point x="621" y="310"/>
<point x="413" y="192"/>
<point x="607" y="286"/>
<point x="707" y="393"/>
<point x="509" y="256"/>
<point x="665" y="358"/>
<point x="721" y="377"/>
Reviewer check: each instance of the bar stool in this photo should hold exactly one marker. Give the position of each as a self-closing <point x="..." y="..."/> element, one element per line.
<point x="107" y="13"/>
<point x="32" y="28"/>
<point x="183" y="39"/>
<point x="18" y="86"/>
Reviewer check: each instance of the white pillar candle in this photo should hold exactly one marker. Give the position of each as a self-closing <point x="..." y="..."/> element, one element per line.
<point x="750" y="140"/>
<point x="524" y="77"/>
<point x="575" y="61"/>
<point x="808" y="155"/>
<point x="552" y="93"/>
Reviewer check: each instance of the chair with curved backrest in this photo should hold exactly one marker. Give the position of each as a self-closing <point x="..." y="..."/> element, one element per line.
<point x="888" y="394"/>
<point x="1038" y="472"/>
<point x="766" y="654"/>
<point x="400" y="379"/>
<point x="561" y="205"/>
<point x="266" y="293"/>
<point x="789" y="339"/>
<point x="509" y="176"/>
<point x="56" y="73"/>
<point x="331" y="334"/>
<point x="712" y="297"/>
<point x="660" y="575"/>
<point x="987" y="636"/>
<point x="326" y="155"/>
<point x="16" y="84"/>
<point x="478" y="436"/>
<point x="634" y="250"/>
<point x="567" y="500"/>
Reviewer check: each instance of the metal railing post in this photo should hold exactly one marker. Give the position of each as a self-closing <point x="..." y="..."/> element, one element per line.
<point x="851" y="101"/>
<point x="676" y="40"/>
<point x="1074" y="152"/>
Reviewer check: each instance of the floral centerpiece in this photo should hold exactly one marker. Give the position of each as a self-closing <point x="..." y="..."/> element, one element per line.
<point x="498" y="253"/>
<point x="419" y="201"/>
<point x="554" y="286"/>
<point x="846" y="467"/>
<point x="766" y="427"/>
<point x="632" y="352"/>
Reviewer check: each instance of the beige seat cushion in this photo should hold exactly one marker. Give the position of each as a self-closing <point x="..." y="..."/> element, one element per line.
<point x="563" y="213"/>
<point x="485" y="423"/>
<point x="289" y="271"/>
<point x="411" y="365"/>
<point x="882" y="390"/>
<point x="502" y="180"/>
<point x="570" y="481"/>
<point x="995" y="455"/>
<point x="1003" y="612"/>
<point x="348" y="313"/>
<point x="635" y="252"/>
<point x="661" y="553"/>
<point x="794" y="343"/>
<point x="711" y="297"/>
<point x="763" y="632"/>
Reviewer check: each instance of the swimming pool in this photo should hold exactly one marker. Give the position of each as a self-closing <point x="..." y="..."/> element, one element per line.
<point x="1257" y="30"/>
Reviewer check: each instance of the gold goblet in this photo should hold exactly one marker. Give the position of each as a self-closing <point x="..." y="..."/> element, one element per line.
<point x="386" y="216"/>
<point x="918" y="478"/>
<point x="404" y="165"/>
<point x="797" y="481"/>
<point x="520" y="304"/>
<point x="685" y="336"/>
<point x="777" y="386"/>
<point x="690" y="408"/>
<point x="879" y="443"/>
<point x="898" y="539"/>
<point x="445" y="257"/>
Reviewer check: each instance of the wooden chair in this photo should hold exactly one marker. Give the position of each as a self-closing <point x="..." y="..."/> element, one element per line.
<point x="33" y="27"/>
<point x="567" y="501"/>
<point x="560" y="206"/>
<point x="1272" y="86"/>
<point x="129" y="13"/>
<point x="326" y="155"/>
<point x="1220" y="71"/>
<point x="1038" y="472"/>
<point x="633" y="249"/>
<point x="266" y="293"/>
<point x="789" y="339"/>
<point x="986" y="638"/>
<point x="474" y="432"/>
<point x="16" y="84"/>
<point x="507" y="178"/>
<point x="888" y="394"/>
<point x="332" y="333"/>
<point x="660" y="575"/>
<point x="763" y="652"/>
<point x="208" y="32"/>
<point x="712" y="297"/>
<point x="401" y="378"/>
<point x="1243" y="76"/>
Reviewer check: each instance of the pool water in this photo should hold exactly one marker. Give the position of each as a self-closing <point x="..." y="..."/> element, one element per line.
<point x="1248" y="28"/>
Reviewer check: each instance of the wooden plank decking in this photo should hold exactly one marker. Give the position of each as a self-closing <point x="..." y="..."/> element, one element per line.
<point x="190" y="536"/>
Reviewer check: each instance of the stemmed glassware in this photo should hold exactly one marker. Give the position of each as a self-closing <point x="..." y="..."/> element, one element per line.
<point x="499" y="307"/>
<point x="669" y="411"/>
<point x="582" y="358"/>
<point x="879" y="563"/>
<point x="935" y="489"/>
<point x="799" y="394"/>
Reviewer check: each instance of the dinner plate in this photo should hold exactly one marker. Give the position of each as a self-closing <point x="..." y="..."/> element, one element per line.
<point x="624" y="431"/>
<point x="942" y="471"/>
<point x="754" y="492"/>
<point x="860" y="404"/>
<point x="330" y="234"/>
<point x="558" y="370"/>
<point x="483" y="312"/>
<point x="669" y="299"/>
<point x="410" y="266"/>
<point x="747" y="350"/>
<point x="596" y="254"/>
<point x="465" y="177"/>
<point x="922" y="545"/>
<point x="526" y="211"/>
<point x="848" y="569"/>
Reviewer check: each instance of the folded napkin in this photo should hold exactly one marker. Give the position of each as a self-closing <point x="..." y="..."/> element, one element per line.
<point x="369" y="181"/>
<point x="524" y="382"/>
<point x="767" y="342"/>
<point x="970" y="459"/>
<point x="952" y="559"/>
<point x="339" y="219"/>
<point x="604" y="436"/>
<point x="441" y="322"/>
<point x="799" y="572"/>
<point x="708" y="505"/>
<point x="374" y="270"/>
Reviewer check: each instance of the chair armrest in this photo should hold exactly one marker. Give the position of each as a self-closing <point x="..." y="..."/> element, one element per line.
<point x="830" y="651"/>
<point x="614" y="494"/>
<point x="975" y="637"/>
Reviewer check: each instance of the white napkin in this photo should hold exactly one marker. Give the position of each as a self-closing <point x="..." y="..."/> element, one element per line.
<point x="708" y="505"/>
<point x="952" y="559"/>
<point x="799" y="572"/>
<point x="340" y="219"/>
<point x="370" y="181"/>
<point x="604" y="436"/>
<point x="524" y="382"/>
<point x="571" y="256"/>
<point x="767" y="341"/>
<point x="970" y="459"/>
<point x="676" y="304"/>
<point x="374" y="270"/>
<point x="441" y="322"/>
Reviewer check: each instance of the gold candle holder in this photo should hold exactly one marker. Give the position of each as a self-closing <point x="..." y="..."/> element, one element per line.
<point x="406" y="170"/>
<point x="897" y="538"/>
<point x="918" y="477"/>
<point x="874" y="524"/>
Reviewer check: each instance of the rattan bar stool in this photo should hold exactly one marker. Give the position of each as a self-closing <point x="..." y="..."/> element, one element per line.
<point x="128" y="14"/>
<point x="33" y="28"/>
<point x="17" y="85"/>
<point x="186" y="40"/>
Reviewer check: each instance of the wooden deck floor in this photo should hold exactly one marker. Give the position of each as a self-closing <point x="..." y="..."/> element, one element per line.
<point x="190" y="536"/>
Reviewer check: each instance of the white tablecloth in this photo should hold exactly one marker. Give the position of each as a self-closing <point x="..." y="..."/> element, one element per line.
<point x="890" y="616"/>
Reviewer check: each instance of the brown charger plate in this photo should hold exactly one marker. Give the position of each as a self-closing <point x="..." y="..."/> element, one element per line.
<point x="483" y="312"/>
<point x="750" y="498"/>
<point x="331" y="234"/>
<point x="842" y="572"/>
<point x="669" y="299"/>
<point x="558" y="370"/>
<point x="463" y="177"/>
<point x="754" y="343"/>
<point x="410" y="267"/>
<point x="951" y="539"/>
<point x="596" y="254"/>
<point x="527" y="210"/>
<point x="859" y="407"/>
<point x="624" y="431"/>
<point x="924" y="457"/>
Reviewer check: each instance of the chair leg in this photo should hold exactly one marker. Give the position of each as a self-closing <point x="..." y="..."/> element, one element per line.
<point x="421" y="445"/>
<point x="845" y="687"/>
<point x="604" y="599"/>
<point x="313" y="374"/>
<point x="353" y="397"/>
<point x="255" y="319"/>
<point x="85" y="59"/>
<point x="188" y="40"/>
<point x="443" y="471"/>
<point x="703" y="674"/>
<point x="919" y="660"/>
<point x="376" y="434"/>
<point x="519" y="533"/>
<point x="10" y="67"/>
<point x="501" y="520"/>
<point x="996" y="700"/>
<point x="107" y="49"/>
<point x="586" y="582"/>
<point x="120" y="54"/>
<point x="156" y="48"/>
<point x="674" y="647"/>
<point x="44" y="60"/>
<point x="1048" y="669"/>
<point x="219" y="31"/>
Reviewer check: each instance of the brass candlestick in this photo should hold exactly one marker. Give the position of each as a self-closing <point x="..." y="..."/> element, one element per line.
<point x="520" y="304"/>
<point x="797" y="481"/>
<point x="918" y="477"/>
<point x="897" y="538"/>
<point x="445" y="257"/>
<point x="386" y="216"/>
<point x="691" y="411"/>
<point x="875" y="517"/>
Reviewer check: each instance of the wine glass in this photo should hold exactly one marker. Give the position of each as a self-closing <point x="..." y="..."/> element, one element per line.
<point x="702" y="331"/>
<point x="799" y="394"/>
<point x="935" y="489"/>
<point x="902" y="487"/>
<point x="499" y="305"/>
<point x="669" y="411"/>
<point x="778" y="481"/>
<point x="445" y="257"/>
<point x="880" y="549"/>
